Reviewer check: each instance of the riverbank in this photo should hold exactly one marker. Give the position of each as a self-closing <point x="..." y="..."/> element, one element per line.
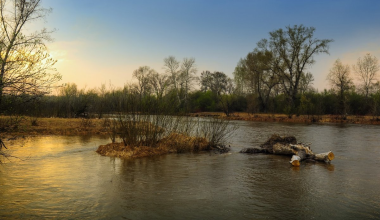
<point x="27" y="126"/>
<point x="23" y="127"/>
<point x="351" y="119"/>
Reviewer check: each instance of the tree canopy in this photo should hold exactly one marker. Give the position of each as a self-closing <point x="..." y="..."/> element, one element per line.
<point x="293" y="51"/>
<point x="25" y="65"/>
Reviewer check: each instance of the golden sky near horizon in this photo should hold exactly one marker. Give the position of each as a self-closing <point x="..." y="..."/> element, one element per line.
<point x="98" y="42"/>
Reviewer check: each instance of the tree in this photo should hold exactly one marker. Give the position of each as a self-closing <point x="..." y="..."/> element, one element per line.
<point x="259" y="70"/>
<point x="227" y="99"/>
<point x="159" y="84"/>
<point x="305" y="83"/>
<point x="340" y="80"/>
<point x="182" y="77"/>
<point x="255" y="74"/>
<point x="143" y="75"/>
<point x="239" y="78"/>
<point x="187" y="76"/>
<point x="366" y="69"/>
<point x="216" y="82"/>
<point x="171" y="66"/>
<point x="25" y="65"/>
<point x="293" y="51"/>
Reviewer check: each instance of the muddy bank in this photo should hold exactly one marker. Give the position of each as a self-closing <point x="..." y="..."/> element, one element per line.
<point x="27" y="126"/>
<point x="351" y="119"/>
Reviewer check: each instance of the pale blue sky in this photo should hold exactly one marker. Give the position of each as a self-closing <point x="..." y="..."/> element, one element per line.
<point x="101" y="41"/>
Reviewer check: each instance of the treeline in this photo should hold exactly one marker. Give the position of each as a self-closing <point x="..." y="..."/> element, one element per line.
<point x="72" y="102"/>
<point x="273" y="78"/>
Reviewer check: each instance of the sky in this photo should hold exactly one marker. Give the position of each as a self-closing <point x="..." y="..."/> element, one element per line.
<point x="102" y="42"/>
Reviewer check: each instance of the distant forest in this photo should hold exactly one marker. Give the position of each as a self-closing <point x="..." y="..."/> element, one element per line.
<point x="273" y="78"/>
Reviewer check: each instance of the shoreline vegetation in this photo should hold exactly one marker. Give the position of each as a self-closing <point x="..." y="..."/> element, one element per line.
<point x="177" y="137"/>
<point x="323" y="119"/>
<point x="153" y="135"/>
<point x="31" y="126"/>
<point x="139" y="135"/>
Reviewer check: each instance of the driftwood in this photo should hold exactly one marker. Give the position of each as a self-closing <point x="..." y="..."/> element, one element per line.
<point x="288" y="146"/>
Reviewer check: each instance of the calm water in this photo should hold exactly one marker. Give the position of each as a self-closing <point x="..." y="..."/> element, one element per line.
<point x="63" y="178"/>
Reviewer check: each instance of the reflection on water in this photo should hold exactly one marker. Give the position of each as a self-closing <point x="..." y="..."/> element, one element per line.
<point x="63" y="177"/>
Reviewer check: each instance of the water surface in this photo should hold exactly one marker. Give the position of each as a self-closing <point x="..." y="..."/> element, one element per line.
<point x="62" y="177"/>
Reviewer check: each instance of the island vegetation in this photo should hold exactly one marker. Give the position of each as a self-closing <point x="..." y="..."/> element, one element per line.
<point x="271" y="83"/>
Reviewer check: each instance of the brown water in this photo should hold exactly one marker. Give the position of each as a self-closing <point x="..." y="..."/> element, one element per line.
<point x="63" y="178"/>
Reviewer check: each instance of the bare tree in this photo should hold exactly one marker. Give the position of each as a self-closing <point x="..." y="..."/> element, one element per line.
<point x="305" y="82"/>
<point x="187" y="76"/>
<point x="340" y="80"/>
<point x="293" y="52"/>
<point x="159" y="84"/>
<point x="182" y="76"/>
<point x="261" y="75"/>
<point x="216" y="82"/>
<point x="69" y="93"/>
<point x="25" y="65"/>
<point x="100" y="103"/>
<point x="366" y="69"/>
<point x="227" y="99"/>
<point x="143" y="74"/>
<point x="171" y="66"/>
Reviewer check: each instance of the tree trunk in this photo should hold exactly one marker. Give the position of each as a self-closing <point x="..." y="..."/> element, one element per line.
<point x="1" y="86"/>
<point x="287" y="146"/>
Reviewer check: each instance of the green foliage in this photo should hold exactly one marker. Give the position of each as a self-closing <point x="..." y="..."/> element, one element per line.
<point x="203" y="101"/>
<point x="113" y="101"/>
<point x="358" y="104"/>
<point x="375" y="104"/>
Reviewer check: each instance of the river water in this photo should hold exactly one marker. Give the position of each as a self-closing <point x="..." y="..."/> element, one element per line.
<point x="62" y="177"/>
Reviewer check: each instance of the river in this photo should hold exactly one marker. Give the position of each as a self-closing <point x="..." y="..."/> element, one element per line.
<point x="62" y="177"/>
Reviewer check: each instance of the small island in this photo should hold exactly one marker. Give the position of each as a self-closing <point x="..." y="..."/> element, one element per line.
<point x="174" y="143"/>
<point x="152" y="135"/>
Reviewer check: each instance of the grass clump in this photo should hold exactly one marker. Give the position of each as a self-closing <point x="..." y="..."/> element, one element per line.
<point x="144" y="135"/>
<point x="174" y="143"/>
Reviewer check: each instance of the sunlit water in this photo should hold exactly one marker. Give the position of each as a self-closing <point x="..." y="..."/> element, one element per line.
<point x="63" y="178"/>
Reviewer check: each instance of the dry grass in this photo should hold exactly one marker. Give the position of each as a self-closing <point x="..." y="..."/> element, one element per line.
<point x="174" y="143"/>
<point x="351" y="119"/>
<point x="55" y="126"/>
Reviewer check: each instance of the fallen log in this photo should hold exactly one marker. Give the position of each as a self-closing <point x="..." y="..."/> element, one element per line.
<point x="288" y="146"/>
<point x="301" y="155"/>
<point x="327" y="157"/>
<point x="297" y="158"/>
